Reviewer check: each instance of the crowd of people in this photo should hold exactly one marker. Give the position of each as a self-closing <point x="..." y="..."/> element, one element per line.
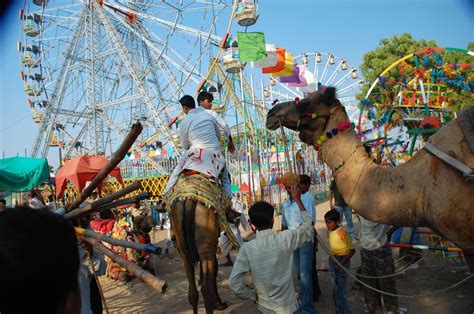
<point x="273" y="259"/>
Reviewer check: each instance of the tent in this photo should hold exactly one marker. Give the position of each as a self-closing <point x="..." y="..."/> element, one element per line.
<point x="20" y="174"/>
<point x="81" y="169"/>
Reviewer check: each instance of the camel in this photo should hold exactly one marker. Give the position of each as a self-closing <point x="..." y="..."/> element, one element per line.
<point x="425" y="191"/>
<point x="195" y="221"/>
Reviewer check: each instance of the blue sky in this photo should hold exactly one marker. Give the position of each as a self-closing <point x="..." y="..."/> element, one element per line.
<point x="346" y="28"/>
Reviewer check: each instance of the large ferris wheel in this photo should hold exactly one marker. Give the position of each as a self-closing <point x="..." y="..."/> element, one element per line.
<point x="92" y="68"/>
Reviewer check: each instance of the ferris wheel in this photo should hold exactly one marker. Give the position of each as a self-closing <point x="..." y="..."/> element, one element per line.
<point x="92" y="68"/>
<point x="320" y="70"/>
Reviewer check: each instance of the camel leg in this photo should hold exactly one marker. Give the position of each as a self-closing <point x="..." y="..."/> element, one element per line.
<point x="207" y="233"/>
<point x="177" y="217"/>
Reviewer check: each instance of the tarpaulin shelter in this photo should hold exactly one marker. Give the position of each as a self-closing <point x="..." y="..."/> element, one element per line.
<point x="20" y="174"/>
<point x="81" y="169"/>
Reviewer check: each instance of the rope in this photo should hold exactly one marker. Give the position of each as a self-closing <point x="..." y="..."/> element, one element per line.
<point x="354" y="276"/>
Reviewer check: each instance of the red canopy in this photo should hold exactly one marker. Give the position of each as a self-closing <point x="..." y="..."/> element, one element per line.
<point x="81" y="169"/>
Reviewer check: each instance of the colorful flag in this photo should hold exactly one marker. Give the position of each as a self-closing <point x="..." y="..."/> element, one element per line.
<point x="271" y="59"/>
<point x="295" y="78"/>
<point x="288" y="68"/>
<point x="251" y="46"/>
<point x="280" y="52"/>
<point x="301" y="76"/>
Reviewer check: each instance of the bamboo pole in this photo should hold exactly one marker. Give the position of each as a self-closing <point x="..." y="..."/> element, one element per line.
<point x="120" y="203"/>
<point x="104" y="172"/>
<point x="155" y="283"/>
<point x="104" y="200"/>
<point x="150" y="248"/>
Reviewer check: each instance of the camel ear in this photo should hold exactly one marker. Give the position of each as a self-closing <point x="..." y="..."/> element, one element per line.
<point x="329" y="95"/>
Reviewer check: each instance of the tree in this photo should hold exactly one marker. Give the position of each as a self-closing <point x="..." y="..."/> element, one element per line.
<point x="394" y="48"/>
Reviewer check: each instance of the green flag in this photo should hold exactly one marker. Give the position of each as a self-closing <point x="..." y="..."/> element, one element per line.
<point x="251" y="46"/>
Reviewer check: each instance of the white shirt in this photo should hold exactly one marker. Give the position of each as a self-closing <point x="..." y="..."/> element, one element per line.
<point x="220" y="122"/>
<point x="199" y="129"/>
<point x="269" y="259"/>
<point x="372" y="235"/>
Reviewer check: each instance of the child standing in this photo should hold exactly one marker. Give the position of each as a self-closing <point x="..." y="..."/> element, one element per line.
<point x="342" y="250"/>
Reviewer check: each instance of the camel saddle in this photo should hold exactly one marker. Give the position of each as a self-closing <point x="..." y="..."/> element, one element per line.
<point x="198" y="187"/>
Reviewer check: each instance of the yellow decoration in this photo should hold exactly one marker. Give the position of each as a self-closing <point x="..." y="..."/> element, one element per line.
<point x="289" y="65"/>
<point x="314" y="116"/>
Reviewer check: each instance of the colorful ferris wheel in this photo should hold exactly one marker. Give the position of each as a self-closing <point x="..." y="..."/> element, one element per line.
<point x="413" y="97"/>
<point x="92" y="68"/>
<point x="314" y="71"/>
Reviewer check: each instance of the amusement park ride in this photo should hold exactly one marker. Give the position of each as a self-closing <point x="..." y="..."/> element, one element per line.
<point x="92" y="68"/>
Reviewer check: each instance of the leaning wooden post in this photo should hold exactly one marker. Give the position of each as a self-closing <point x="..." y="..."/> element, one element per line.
<point x="104" y="172"/>
<point x="154" y="282"/>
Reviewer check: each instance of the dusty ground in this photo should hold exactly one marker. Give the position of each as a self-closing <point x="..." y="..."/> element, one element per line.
<point x="434" y="273"/>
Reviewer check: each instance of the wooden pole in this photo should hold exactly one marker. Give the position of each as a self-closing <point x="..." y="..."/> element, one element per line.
<point x="104" y="172"/>
<point x="104" y="200"/>
<point x="150" y="248"/>
<point x="155" y="283"/>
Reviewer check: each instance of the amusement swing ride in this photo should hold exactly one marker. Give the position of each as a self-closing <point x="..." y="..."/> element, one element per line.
<point x="412" y="98"/>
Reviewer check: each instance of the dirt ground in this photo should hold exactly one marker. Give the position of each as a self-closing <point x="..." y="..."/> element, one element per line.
<point x="433" y="273"/>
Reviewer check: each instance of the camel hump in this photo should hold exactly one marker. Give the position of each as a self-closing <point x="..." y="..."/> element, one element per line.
<point x="466" y="121"/>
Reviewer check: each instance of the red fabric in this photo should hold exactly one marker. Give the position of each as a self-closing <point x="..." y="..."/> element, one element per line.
<point x="102" y="226"/>
<point x="244" y="188"/>
<point x="280" y="52"/>
<point x="81" y="169"/>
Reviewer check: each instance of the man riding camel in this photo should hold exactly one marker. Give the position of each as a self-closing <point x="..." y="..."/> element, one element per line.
<point x="199" y="135"/>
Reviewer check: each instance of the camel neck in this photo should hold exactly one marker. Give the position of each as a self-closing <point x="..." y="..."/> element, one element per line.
<point x="365" y="186"/>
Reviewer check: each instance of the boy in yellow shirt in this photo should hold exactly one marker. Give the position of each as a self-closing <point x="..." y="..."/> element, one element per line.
<point x="342" y="250"/>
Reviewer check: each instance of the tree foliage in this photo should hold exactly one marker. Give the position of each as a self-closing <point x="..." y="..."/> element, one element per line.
<point x="395" y="48"/>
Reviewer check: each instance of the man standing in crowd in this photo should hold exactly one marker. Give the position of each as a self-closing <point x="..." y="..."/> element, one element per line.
<point x="267" y="259"/>
<point x="309" y="203"/>
<point x="303" y="256"/>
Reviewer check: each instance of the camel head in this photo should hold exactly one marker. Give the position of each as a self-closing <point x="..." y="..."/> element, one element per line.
<point x="309" y="115"/>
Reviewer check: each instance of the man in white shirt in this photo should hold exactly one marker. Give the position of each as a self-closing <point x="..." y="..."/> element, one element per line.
<point x="267" y="260"/>
<point x="205" y="100"/>
<point x="199" y="136"/>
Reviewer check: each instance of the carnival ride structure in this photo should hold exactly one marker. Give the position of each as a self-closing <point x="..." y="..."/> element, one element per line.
<point x="412" y="98"/>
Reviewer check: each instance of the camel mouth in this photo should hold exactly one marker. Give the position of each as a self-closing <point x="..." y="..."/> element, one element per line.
<point x="272" y="122"/>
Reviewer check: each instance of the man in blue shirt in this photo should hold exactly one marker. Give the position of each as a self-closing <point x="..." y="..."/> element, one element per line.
<point x="309" y="203"/>
<point x="303" y="256"/>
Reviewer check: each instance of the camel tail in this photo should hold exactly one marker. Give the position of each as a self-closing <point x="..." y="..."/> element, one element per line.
<point x="189" y="230"/>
